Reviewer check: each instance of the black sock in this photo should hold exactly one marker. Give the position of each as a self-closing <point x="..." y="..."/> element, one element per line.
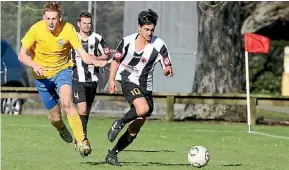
<point x="125" y="140"/>
<point x="129" y="116"/>
<point x="84" y="120"/>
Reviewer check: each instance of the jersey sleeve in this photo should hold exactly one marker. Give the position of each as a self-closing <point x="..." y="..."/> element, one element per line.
<point x="118" y="54"/>
<point x="74" y="39"/>
<point x="103" y="48"/>
<point x="164" y="57"/>
<point x="29" y="38"/>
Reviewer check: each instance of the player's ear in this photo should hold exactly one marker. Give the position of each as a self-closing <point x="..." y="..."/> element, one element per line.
<point x="60" y="19"/>
<point x="139" y="28"/>
<point x="78" y="24"/>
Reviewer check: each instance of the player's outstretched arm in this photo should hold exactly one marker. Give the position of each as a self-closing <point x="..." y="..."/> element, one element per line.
<point x="89" y="59"/>
<point x="25" y="59"/>
<point x="103" y="57"/>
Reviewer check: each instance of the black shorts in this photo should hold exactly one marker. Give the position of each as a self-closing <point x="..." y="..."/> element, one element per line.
<point x="84" y="92"/>
<point x="132" y="91"/>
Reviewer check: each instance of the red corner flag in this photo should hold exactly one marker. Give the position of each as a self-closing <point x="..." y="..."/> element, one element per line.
<point x="255" y="43"/>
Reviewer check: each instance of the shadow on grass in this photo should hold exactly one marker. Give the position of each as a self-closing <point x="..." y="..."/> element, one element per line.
<point x="139" y="164"/>
<point x="94" y="163"/>
<point x="140" y="150"/>
<point x="232" y="165"/>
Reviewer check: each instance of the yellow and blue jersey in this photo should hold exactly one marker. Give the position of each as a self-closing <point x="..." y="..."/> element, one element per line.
<point x="51" y="51"/>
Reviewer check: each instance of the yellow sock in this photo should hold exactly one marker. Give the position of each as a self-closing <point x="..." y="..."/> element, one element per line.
<point x="76" y="126"/>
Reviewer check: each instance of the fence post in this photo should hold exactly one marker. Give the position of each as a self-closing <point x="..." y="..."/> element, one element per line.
<point x="170" y="108"/>
<point x="253" y="104"/>
<point x="285" y="77"/>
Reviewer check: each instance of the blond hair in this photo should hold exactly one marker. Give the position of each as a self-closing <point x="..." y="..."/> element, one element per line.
<point x="53" y="6"/>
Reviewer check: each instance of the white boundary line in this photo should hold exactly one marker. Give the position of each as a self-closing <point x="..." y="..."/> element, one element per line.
<point x="268" y="135"/>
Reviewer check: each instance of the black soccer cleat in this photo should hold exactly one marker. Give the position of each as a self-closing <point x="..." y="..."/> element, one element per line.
<point x="114" y="130"/>
<point x="112" y="159"/>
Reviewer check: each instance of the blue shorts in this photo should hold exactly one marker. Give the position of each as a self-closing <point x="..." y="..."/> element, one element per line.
<point x="48" y="89"/>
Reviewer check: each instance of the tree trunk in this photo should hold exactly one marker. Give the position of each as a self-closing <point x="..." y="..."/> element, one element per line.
<point x="220" y="59"/>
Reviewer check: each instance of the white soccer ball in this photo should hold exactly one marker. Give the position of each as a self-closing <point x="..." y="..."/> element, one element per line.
<point x="198" y="156"/>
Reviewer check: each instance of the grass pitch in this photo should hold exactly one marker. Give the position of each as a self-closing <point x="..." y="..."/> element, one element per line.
<point x="29" y="142"/>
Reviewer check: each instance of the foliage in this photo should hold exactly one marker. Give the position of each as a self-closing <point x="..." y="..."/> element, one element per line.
<point x="266" y="70"/>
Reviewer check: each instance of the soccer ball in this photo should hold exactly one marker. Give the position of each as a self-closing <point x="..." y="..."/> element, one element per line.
<point x="198" y="156"/>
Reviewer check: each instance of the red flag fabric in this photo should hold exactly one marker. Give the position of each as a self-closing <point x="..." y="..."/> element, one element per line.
<point x="255" y="43"/>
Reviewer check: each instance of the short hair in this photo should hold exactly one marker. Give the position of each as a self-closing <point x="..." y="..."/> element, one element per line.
<point x="84" y="15"/>
<point x="147" y="17"/>
<point x="53" y="6"/>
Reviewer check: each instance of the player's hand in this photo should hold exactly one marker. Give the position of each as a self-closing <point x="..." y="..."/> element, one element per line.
<point x="112" y="87"/>
<point x="168" y="71"/>
<point x="38" y="69"/>
<point x="99" y="63"/>
<point x="93" y="57"/>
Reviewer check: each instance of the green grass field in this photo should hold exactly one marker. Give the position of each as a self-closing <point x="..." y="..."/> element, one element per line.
<point x="31" y="143"/>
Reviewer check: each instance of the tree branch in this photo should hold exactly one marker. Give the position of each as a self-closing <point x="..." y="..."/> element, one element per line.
<point x="264" y="14"/>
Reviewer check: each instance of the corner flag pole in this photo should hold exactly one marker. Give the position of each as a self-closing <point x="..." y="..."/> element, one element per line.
<point x="248" y="91"/>
<point x="254" y="43"/>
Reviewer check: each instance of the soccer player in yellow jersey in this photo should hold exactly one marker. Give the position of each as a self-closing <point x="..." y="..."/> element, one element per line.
<point x="49" y="42"/>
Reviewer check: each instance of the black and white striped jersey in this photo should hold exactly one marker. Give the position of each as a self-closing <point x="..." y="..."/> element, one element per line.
<point x="138" y="67"/>
<point x="93" y="45"/>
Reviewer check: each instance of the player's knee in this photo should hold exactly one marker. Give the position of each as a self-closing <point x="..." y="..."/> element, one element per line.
<point x="82" y="110"/>
<point x="66" y="104"/>
<point x="142" y="110"/>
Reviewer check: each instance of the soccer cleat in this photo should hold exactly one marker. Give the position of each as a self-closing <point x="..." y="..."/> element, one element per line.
<point x="112" y="159"/>
<point x="114" y="130"/>
<point x="65" y="135"/>
<point x="84" y="148"/>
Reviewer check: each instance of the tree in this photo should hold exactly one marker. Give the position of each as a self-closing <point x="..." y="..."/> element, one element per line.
<point x="258" y="15"/>
<point x="220" y="56"/>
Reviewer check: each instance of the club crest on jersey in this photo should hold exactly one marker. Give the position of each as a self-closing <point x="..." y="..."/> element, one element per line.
<point x="117" y="55"/>
<point x="106" y="50"/>
<point x="143" y="60"/>
<point x="167" y="61"/>
<point x="61" y="42"/>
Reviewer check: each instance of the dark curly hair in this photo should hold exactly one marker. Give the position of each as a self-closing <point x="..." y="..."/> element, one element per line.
<point x="147" y="17"/>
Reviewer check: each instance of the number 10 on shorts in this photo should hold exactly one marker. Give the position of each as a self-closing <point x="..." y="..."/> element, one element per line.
<point x="135" y="91"/>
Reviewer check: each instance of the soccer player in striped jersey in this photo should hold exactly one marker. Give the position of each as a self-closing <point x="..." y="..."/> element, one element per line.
<point x="84" y="83"/>
<point x="133" y="65"/>
<point x="49" y="42"/>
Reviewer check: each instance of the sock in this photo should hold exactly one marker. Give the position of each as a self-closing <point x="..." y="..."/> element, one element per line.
<point x="125" y="140"/>
<point x="76" y="126"/>
<point x="129" y="116"/>
<point x="84" y="120"/>
<point x="59" y="125"/>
